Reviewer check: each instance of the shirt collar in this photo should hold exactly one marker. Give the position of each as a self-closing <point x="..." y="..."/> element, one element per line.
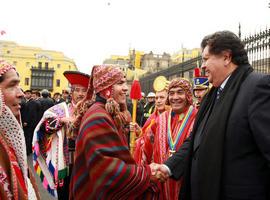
<point x="224" y="82"/>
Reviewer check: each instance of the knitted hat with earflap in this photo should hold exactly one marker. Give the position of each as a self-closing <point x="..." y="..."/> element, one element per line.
<point x="103" y="77"/>
<point x="12" y="132"/>
<point x="185" y="85"/>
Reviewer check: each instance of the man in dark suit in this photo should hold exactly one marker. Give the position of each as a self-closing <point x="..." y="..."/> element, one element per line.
<point x="227" y="157"/>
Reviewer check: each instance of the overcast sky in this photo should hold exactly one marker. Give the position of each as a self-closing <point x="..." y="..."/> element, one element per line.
<point x="89" y="31"/>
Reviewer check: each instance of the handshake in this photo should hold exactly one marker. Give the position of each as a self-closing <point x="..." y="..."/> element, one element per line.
<point x="159" y="172"/>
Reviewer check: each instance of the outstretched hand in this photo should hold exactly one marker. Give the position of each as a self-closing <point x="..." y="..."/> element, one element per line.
<point x="134" y="127"/>
<point x="159" y="172"/>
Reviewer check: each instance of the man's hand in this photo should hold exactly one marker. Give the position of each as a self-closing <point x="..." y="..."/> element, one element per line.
<point x="159" y="172"/>
<point x="66" y="120"/>
<point x="134" y="127"/>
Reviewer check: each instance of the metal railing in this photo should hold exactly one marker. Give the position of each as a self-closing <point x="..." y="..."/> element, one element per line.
<point x="258" y="49"/>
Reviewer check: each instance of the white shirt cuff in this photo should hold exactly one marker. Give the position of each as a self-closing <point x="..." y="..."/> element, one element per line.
<point x="168" y="169"/>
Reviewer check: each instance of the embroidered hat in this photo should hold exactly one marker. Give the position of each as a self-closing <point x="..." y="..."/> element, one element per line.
<point x="185" y="85"/>
<point x="199" y="81"/>
<point x="105" y="76"/>
<point x="77" y="78"/>
<point x="4" y="67"/>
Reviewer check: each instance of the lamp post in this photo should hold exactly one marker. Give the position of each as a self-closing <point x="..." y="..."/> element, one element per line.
<point x="183" y="55"/>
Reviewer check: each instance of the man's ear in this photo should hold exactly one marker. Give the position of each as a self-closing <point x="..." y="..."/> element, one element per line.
<point x="227" y="55"/>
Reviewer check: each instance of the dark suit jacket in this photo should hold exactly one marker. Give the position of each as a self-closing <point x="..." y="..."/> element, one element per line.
<point x="246" y="153"/>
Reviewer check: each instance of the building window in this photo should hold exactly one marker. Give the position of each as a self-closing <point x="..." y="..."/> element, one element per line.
<point x="39" y="65"/>
<point x="15" y="63"/>
<point x="58" y="83"/>
<point x="27" y="64"/>
<point x="42" y="79"/>
<point x="26" y="81"/>
<point x="58" y="65"/>
<point x="46" y="65"/>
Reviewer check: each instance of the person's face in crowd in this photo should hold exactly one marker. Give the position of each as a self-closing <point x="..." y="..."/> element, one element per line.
<point x="161" y="98"/>
<point x="27" y="95"/>
<point x="215" y="66"/>
<point x="177" y="99"/>
<point x="151" y="99"/>
<point x="65" y="95"/>
<point x="34" y="96"/>
<point x="120" y="90"/>
<point x="199" y="93"/>
<point x="78" y="93"/>
<point x="11" y="91"/>
<point x="56" y="97"/>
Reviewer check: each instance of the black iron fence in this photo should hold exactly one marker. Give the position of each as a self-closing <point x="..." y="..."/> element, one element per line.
<point x="184" y="69"/>
<point x="257" y="46"/>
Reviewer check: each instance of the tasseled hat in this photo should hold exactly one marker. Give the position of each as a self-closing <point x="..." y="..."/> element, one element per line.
<point x="102" y="78"/>
<point x="199" y="81"/>
<point x="105" y="76"/>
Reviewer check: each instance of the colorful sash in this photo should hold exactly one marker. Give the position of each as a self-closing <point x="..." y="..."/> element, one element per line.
<point x="173" y="143"/>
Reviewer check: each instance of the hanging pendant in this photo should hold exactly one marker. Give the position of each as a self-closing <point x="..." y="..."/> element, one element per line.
<point x="171" y="152"/>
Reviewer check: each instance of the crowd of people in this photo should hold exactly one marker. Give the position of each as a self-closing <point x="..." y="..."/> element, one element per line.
<point x="206" y="139"/>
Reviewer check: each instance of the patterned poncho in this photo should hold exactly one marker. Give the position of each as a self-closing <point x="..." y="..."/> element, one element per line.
<point x="104" y="168"/>
<point x="167" y="128"/>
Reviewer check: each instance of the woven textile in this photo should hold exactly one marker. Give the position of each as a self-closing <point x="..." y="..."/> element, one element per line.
<point x="105" y="76"/>
<point x="185" y="85"/>
<point x="50" y="151"/>
<point x="5" y="66"/>
<point x="155" y="147"/>
<point x="104" y="167"/>
<point x="12" y="133"/>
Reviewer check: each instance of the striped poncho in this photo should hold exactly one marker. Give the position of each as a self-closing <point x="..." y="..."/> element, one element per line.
<point x="104" y="168"/>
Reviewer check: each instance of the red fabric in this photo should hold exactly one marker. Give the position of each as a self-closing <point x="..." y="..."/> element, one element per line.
<point x="104" y="167"/>
<point x="77" y="78"/>
<point x="11" y="180"/>
<point x="135" y="91"/>
<point x="17" y="170"/>
<point x="154" y="147"/>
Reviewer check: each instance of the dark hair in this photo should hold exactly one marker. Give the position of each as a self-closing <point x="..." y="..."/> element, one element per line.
<point x="35" y="92"/>
<point x="28" y="91"/>
<point x="223" y="41"/>
<point x="2" y="78"/>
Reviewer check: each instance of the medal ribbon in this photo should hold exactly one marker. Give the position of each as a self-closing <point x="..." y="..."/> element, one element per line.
<point x="174" y="143"/>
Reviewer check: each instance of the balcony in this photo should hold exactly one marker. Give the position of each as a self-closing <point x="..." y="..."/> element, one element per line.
<point x="42" y="78"/>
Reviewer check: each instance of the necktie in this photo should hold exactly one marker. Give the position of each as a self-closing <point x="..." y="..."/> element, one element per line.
<point x="219" y="91"/>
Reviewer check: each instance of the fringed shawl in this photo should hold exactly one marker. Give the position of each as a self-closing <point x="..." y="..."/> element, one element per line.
<point x="50" y="151"/>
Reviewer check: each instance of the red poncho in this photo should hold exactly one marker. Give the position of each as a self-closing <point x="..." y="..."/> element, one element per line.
<point x="104" y="168"/>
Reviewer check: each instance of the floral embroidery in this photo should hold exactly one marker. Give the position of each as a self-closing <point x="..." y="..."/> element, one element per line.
<point x="59" y="111"/>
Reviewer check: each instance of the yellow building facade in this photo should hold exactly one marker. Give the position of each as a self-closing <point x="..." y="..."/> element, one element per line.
<point x="135" y="58"/>
<point x="184" y="55"/>
<point x="38" y="69"/>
